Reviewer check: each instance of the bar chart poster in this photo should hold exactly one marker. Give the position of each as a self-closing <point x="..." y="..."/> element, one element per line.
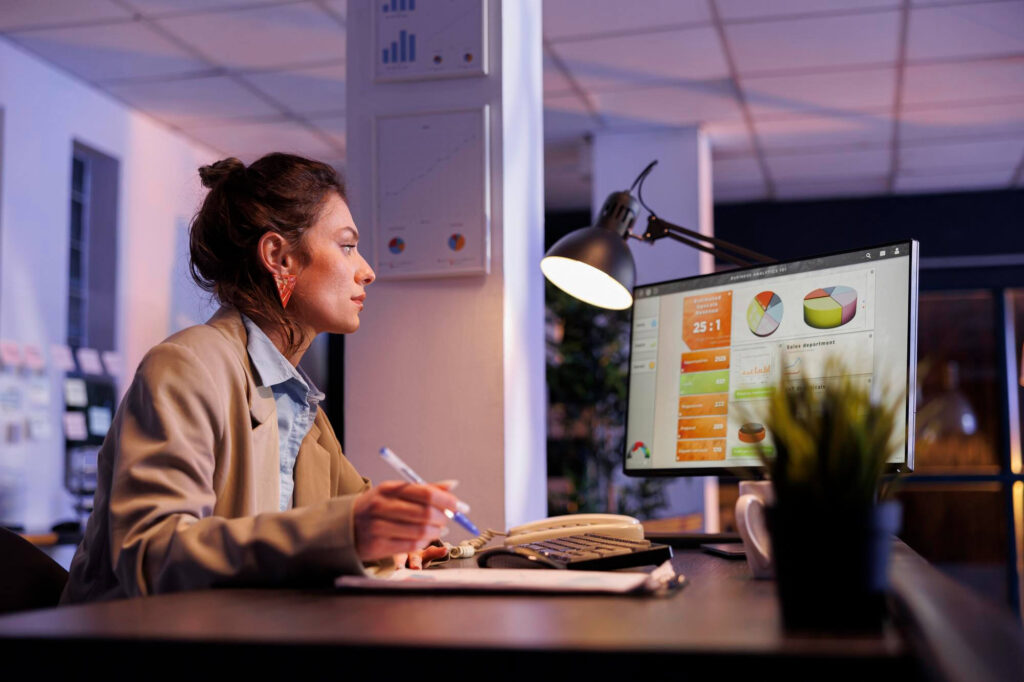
<point x="424" y="39"/>
<point x="432" y="194"/>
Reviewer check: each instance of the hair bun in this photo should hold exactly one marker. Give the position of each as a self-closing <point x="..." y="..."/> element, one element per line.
<point x="216" y="173"/>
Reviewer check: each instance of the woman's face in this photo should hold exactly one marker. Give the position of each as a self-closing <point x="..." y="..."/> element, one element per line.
<point x="330" y="289"/>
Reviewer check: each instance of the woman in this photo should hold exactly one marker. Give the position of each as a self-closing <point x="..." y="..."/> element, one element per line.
<point x="220" y="468"/>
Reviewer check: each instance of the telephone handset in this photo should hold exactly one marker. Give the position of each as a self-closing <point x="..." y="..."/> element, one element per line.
<point x="615" y="525"/>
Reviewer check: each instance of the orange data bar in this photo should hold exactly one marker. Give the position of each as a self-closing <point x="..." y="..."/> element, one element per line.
<point x="705" y="360"/>
<point x="700" y="449"/>
<point x="703" y="405"/>
<point x="702" y="427"/>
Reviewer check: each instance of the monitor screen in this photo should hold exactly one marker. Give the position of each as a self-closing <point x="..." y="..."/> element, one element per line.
<point x="705" y="352"/>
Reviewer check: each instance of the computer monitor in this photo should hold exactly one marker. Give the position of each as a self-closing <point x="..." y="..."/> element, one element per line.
<point x="705" y="352"/>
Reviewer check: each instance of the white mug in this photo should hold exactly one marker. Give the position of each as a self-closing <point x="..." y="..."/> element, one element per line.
<point x="753" y="528"/>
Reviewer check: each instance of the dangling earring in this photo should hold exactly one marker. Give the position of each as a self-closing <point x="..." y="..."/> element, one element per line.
<point x="285" y="285"/>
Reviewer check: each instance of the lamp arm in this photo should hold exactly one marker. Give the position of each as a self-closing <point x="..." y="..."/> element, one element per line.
<point x="658" y="228"/>
<point x="717" y="253"/>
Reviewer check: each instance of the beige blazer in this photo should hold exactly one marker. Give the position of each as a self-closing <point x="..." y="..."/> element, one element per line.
<point x="188" y="482"/>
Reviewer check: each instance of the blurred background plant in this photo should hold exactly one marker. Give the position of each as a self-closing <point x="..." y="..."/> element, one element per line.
<point x="587" y="376"/>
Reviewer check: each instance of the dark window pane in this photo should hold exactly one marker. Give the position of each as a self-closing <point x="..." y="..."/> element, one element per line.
<point x="77" y="175"/>
<point x="959" y="407"/>
<point x="76" y="221"/>
<point x="75" y="319"/>
<point x="1017" y="305"/>
<point x="961" y="528"/>
<point x="75" y="269"/>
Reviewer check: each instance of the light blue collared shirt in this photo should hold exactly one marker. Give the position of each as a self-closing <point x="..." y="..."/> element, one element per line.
<point x="296" y="397"/>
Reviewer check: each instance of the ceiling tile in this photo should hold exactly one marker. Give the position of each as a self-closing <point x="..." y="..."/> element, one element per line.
<point x="964" y="81"/>
<point x="195" y="101"/>
<point x="150" y="8"/>
<point x="827" y="166"/>
<point x="670" y="105"/>
<point x="991" y="154"/>
<point x="102" y="52"/>
<point x="555" y="81"/>
<point x="952" y="182"/>
<point x="249" y="141"/>
<point x="753" y="9"/>
<point x="565" y="18"/>
<point x="992" y="28"/>
<point x="626" y="61"/>
<point x="850" y="130"/>
<point x="741" y="170"/>
<point x="946" y="2"/>
<point x="848" y="187"/>
<point x="333" y="127"/>
<point x="264" y="37"/>
<point x="816" y="42"/>
<point x="18" y="14"/>
<point x="960" y="121"/>
<point x="870" y="89"/>
<point x="339" y="7"/>
<point x="730" y="138"/>
<point x="318" y="89"/>
<point x="567" y="118"/>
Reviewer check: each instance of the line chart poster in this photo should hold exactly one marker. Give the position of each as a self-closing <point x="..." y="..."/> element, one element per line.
<point x="432" y="195"/>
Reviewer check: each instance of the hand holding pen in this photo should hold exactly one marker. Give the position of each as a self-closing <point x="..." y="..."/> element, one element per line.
<point x="401" y="517"/>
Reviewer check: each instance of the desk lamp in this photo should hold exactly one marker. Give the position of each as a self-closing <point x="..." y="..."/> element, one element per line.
<point x="594" y="264"/>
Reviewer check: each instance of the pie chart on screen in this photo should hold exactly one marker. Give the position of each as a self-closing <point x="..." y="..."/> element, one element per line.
<point x="830" y="307"/>
<point x="764" y="314"/>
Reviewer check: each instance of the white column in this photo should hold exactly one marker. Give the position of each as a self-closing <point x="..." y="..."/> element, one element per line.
<point x="679" y="191"/>
<point x="450" y="372"/>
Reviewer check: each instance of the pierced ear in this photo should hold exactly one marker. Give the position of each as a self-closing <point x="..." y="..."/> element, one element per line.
<point x="274" y="253"/>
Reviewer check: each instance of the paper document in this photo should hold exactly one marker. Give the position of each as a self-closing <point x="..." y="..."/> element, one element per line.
<point x="519" y="580"/>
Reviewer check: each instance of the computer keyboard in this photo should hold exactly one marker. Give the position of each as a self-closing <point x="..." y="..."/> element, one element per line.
<point x="586" y="551"/>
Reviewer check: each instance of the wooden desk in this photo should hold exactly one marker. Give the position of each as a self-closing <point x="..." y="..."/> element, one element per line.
<point x="722" y="622"/>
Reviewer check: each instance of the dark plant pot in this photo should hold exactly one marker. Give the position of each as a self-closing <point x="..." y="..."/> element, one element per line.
<point x="831" y="565"/>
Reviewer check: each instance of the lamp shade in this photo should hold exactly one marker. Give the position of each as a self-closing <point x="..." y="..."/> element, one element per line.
<point x="594" y="265"/>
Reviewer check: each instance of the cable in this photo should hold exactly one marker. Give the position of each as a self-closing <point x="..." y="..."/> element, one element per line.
<point x="639" y="185"/>
<point x="468" y="548"/>
<point x="643" y="174"/>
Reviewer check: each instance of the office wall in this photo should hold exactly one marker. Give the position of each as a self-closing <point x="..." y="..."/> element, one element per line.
<point x="45" y="113"/>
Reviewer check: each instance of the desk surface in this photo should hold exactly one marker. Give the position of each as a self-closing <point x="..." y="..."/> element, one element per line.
<point x="721" y="618"/>
<point x="722" y="611"/>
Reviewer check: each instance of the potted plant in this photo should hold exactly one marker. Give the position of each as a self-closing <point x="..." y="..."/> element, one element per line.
<point x="832" y="523"/>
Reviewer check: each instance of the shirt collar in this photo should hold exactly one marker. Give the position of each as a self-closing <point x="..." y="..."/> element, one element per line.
<point x="271" y="366"/>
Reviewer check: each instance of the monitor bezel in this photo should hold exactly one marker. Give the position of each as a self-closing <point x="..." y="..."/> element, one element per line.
<point x="747" y="471"/>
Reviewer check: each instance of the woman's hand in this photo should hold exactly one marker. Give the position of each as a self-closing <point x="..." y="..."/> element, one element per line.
<point x="399" y="518"/>
<point x="417" y="559"/>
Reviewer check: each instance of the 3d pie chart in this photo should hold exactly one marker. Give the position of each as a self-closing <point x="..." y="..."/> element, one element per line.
<point x="764" y="314"/>
<point x="752" y="432"/>
<point x="830" y="307"/>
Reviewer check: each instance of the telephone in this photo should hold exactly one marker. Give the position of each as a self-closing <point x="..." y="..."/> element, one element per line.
<point x="616" y="525"/>
<point x="601" y="542"/>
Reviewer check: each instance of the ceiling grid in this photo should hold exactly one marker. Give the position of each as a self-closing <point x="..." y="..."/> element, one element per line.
<point x="800" y="98"/>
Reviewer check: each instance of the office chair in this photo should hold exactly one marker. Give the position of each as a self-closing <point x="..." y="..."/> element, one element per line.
<point x="29" y="579"/>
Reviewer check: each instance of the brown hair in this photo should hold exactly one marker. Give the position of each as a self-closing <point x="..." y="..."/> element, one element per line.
<point x="280" y="193"/>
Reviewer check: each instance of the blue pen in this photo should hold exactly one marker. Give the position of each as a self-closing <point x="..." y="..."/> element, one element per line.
<point x="408" y="474"/>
